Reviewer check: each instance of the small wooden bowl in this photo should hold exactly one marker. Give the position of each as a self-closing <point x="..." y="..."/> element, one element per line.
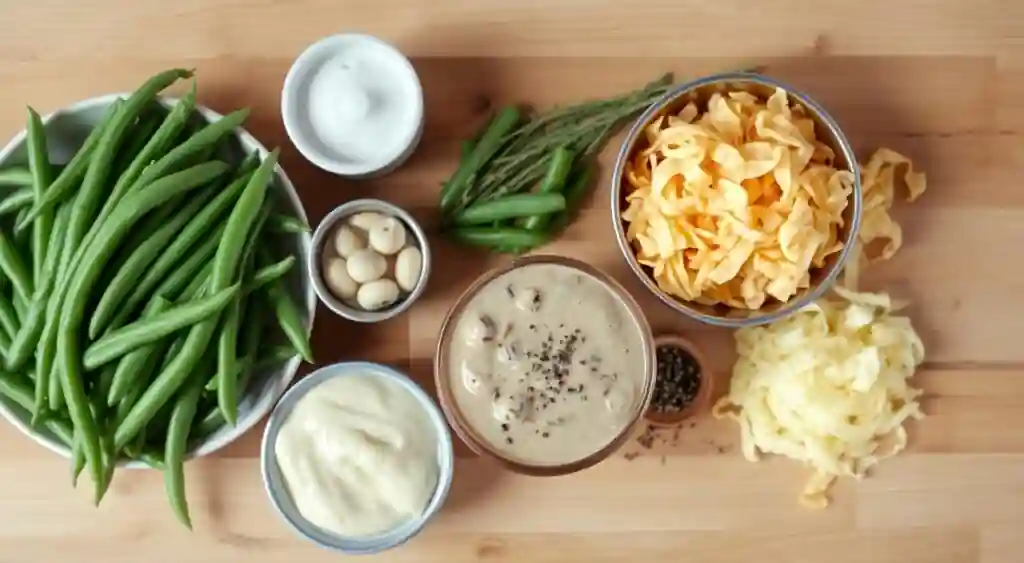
<point x="700" y="401"/>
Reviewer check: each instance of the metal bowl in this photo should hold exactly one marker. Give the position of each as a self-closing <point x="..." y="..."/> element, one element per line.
<point x="66" y="130"/>
<point x="827" y="131"/>
<point x="322" y="235"/>
<point x="277" y="488"/>
<point x="465" y="430"/>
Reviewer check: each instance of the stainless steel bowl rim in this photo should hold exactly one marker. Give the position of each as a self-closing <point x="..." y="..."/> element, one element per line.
<point x="281" y="499"/>
<point x="287" y="370"/>
<point x="616" y="200"/>
<point x="324" y="230"/>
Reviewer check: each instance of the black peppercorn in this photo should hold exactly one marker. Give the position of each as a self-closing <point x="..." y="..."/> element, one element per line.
<point x="679" y="379"/>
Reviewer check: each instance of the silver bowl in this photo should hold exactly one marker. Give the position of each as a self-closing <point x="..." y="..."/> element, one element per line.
<point x="322" y="235"/>
<point x="66" y="130"/>
<point x="827" y="130"/>
<point x="277" y="489"/>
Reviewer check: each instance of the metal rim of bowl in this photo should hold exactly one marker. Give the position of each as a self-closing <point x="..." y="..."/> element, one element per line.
<point x="315" y="259"/>
<point x="626" y="249"/>
<point x="288" y="370"/>
<point x="465" y="431"/>
<point x="298" y="72"/>
<point x="277" y="490"/>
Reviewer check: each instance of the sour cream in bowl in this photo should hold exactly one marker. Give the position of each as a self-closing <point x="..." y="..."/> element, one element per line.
<point x="357" y="458"/>
<point x="546" y="365"/>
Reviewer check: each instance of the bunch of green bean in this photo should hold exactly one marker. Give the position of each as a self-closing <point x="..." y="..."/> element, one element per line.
<point x="519" y="182"/>
<point x="137" y="285"/>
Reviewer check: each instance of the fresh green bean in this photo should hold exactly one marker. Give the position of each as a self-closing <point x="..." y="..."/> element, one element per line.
<point x="242" y="218"/>
<point x="225" y="263"/>
<point x="5" y="342"/>
<point x="16" y="176"/>
<point x="137" y="138"/>
<point x="289" y="319"/>
<point x="156" y="147"/>
<point x="160" y="272"/>
<point x="17" y="200"/>
<point x="31" y="334"/>
<point x="174" y="452"/>
<point x="510" y="207"/>
<point x="121" y="341"/>
<point x="574" y="194"/>
<point x="129" y="368"/>
<point x="554" y="182"/>
<point x="489" y="144"/>
<point x="227" y="339"/>
<point x="502" y="237"/>
<point x="152" y="459"/>
<point x="287" y="224"/>
<point x="15" y="269"/>
<point x="128" y="212"/>
<point x="141" y="257"/>
<point x="8" y="317"/>
<point x="64" y="185"/>
<point x="269" y="273"/>
<point x="23" y="243"/>
<point x="91" y="192"/>
<point x="205" y="138"/>
<point x="39" y="165"/>
<point x="16" y="388"/>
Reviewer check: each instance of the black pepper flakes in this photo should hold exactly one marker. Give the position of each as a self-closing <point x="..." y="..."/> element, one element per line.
<point x="678" y="381"/>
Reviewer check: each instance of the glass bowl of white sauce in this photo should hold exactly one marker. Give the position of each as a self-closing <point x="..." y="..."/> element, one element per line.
<point x="353" y="105"/>
<point x="545" y="364"/>
<point x="357" y="458"/>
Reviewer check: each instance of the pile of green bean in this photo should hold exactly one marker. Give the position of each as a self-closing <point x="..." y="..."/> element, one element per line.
<point x="138" y="285"/>
<point x="521" y="180"/>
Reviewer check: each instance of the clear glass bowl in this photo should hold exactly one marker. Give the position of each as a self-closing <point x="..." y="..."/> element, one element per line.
<point x="472" y="438"/>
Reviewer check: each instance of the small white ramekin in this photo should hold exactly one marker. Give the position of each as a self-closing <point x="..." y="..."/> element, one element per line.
<point x="296" y="123"/>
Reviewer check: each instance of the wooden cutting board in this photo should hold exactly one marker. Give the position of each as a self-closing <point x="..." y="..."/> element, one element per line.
<point x="942" y="81"/>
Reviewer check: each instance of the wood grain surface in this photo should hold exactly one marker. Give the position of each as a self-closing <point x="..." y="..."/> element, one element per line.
<point x="941" y="80"/>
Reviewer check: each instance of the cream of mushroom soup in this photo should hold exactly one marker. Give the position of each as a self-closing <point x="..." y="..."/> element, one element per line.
<point x="547" y="365"/>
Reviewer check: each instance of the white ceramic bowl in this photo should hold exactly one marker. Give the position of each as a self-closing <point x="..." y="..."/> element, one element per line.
<point x="66" y="129"/>
<point x="277" y="489"/>
<point x="301" y="130"/>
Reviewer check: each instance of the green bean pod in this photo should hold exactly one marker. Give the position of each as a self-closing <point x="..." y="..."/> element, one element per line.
<point x="268" y="273"/>
<point x="574" y="194"/>
<point x="155" y="147"/>
<point x="174" y="451"/>
<point x="510" y="207"/>
<point x="142" y="256"/>
<point x="554" y="182"/>
<point x="123" y="340"/>
<point x="39" y="165"/>
<point x="8" y="317"/>
<point x="64" y="185"/>
<point x="127" y="213"/>
<point x="287" y="224"/>
<point x="17" y="200"/>
<point x="16" y="176"/>
<point x="131" y="365"/>
<point x="13" y="266"/>
<point x="290" y="320"/>
<point x="160" y="272"/>
<point x="490" y="142"/>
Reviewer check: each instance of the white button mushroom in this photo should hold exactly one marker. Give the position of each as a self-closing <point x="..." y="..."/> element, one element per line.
<point x="377" y="294"/>
<point x="474" y="378"/>
<point x="387" y="236"/>
<point x="407" y="268"/>
<point x="347" y="241"/>
<point x="338" y="280"/>
<point x="366" y="266"/>
<point x="365" y="220"/>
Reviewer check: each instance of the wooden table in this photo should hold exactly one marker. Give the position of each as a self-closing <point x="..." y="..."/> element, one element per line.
<point x="942" y="81"/>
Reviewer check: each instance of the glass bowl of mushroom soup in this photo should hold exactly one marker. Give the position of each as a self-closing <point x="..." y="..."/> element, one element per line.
<point x="545" y="364"/>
